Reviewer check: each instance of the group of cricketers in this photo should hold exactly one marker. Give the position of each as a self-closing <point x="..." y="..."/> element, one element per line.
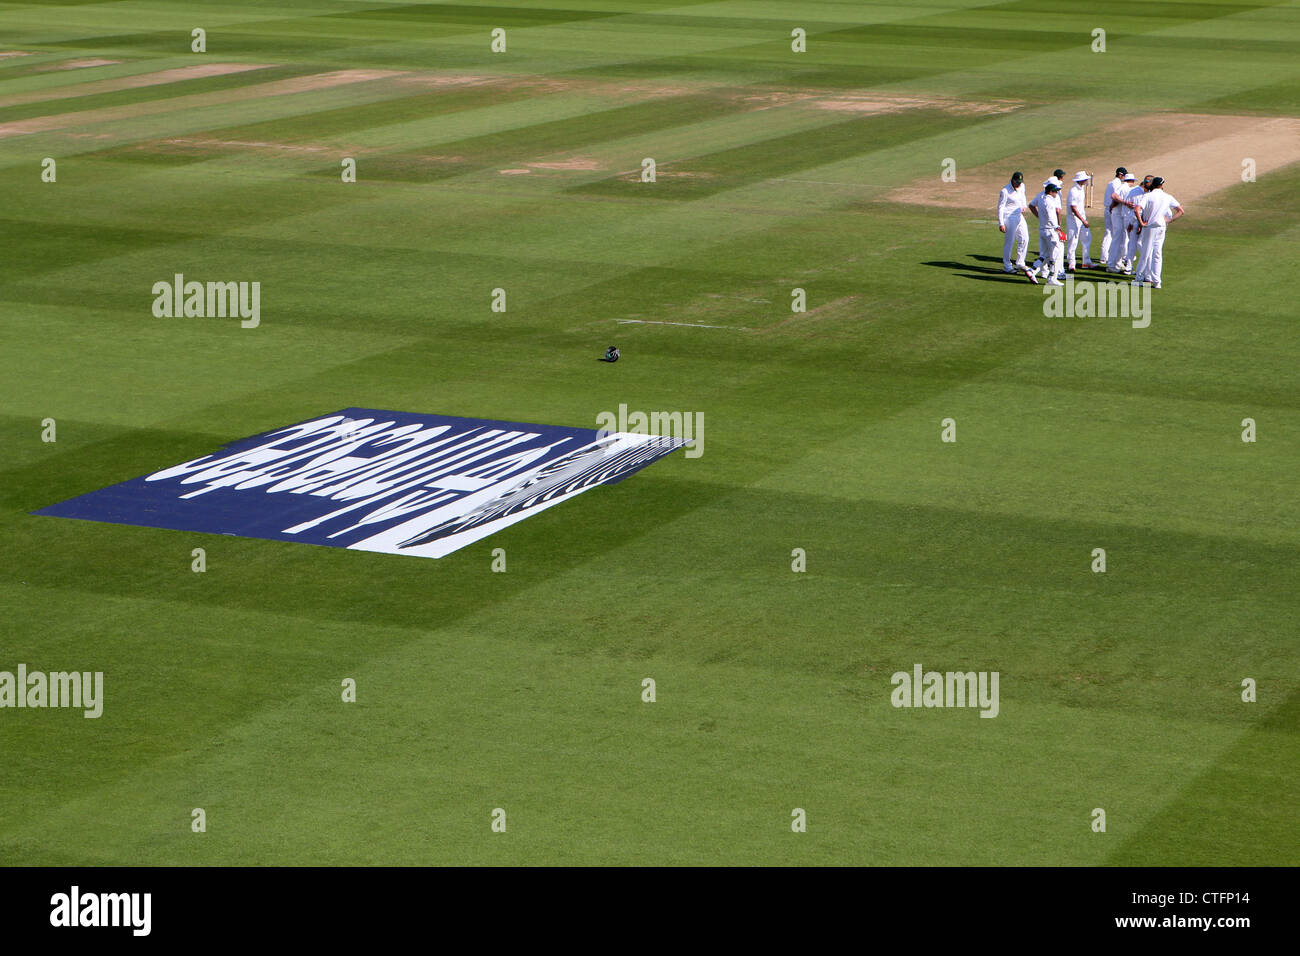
<point x="1135" y="219"/>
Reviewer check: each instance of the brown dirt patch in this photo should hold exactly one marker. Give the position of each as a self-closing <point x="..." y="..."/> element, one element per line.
<point x="204" y="147"/>
<point x="869" y="102"/>
<point x="874" y="102"/>
<point x="109" y="114"/>
<point x="132" y="82"/>
<point x="6" y="54"/>
<point x="449" y="79"/>
<point x="766" y="101"/>
<point x="515" y="172"/>
<point x="319" y="81"/>
<point x="545" y="84"/>
<point x="1198" y="154"/>
<point x="217" y="144"/>
<point x="77" y="65"/>
<point x="648" y="89"/>
<point x="577" y="163"/>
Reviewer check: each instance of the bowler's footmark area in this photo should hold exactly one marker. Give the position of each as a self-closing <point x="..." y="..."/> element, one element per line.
<point x="394" y="482"/>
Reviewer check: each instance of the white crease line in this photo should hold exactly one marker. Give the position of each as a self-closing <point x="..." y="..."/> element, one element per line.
<point x="689" y="325"/>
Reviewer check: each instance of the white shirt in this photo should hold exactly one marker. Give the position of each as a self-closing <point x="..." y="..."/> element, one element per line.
<point x="1038" y="202"/>
<point x="1112" y="187"/>
<point x="1011" y="202"/>
<point x="1158" y="208"/>
<point x="1049" y="210"/>
<point x="1078" y="196"/>
<point x="1121" y="192"/>
<point x="1134" y="195"/>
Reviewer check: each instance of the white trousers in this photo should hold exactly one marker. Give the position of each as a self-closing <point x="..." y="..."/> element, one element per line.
<point x="1118" y="239"/>
<point x="1153" y="243"/>
<point x="1018" y="236"/>
<point x="1131" y="246"/>
<point x="1075" y="230"/>
<point x="1052" y="251"/>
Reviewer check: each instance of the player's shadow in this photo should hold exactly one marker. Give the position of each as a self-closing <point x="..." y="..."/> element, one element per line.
<point x="965" y="267"/>
<point x="995" y="273"/>
<point x="985" y="273"/>
<point x="1094" y="275"/>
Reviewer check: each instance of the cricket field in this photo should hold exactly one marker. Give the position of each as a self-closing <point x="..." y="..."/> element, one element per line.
<point x="783" y="215"/>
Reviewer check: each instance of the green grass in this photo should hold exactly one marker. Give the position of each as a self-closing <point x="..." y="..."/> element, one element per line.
<point x="523" y="690"/>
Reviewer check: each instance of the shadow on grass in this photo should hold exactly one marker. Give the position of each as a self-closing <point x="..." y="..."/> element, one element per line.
<point x="986" y="273"/>
<point x="995" y="273"/>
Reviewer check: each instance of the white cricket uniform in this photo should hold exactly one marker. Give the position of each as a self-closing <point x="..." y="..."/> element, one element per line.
<point x="1131" y="235"/>
<point x="1115" y="222"/>
<point x="1011" y="216"/>
<point x="1074" y="226"/>
<point x="1157" y="210"/>
<point x="1038" y="256"/>
<point x="1112" y="187"/>
<point x="1036" y="203"/>
<point x="1049" y="238"/>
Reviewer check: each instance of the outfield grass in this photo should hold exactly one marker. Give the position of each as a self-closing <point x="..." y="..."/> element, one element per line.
<point x="522" y="690"/>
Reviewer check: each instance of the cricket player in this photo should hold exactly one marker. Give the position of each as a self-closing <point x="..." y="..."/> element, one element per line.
<point x="1133" y="251"/>
<point x="1076" y="222"/>
<point x="1157" y="210"/>
<point x="1111" y="188"/>
<point x="1116" y="210"/>
<point x="1058" y="177"/>
<point x="1051" y="240"/>
<point x="1039" y="258"/>
<point x="1011" y="220"/>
